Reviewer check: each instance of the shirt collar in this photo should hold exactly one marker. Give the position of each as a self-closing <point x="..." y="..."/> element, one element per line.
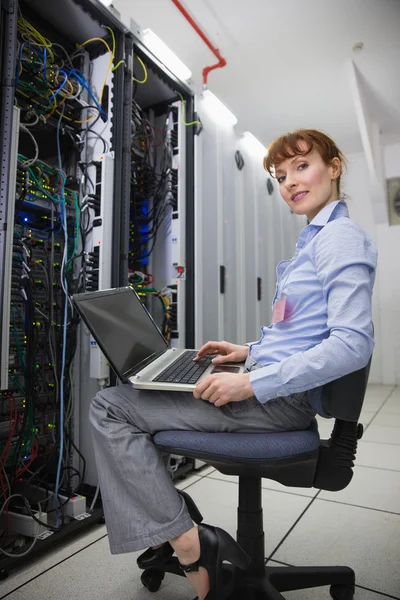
<point x="331" y="212"/>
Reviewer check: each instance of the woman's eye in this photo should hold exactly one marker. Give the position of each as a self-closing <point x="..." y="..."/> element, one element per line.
<point x="303" y="165"/>
<point x="281" y="179"/>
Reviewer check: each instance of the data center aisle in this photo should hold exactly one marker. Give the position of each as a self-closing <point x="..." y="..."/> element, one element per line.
<point x="359" y="526"/>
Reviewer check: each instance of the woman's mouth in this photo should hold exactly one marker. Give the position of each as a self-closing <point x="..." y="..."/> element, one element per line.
<point x="298" y="196"/>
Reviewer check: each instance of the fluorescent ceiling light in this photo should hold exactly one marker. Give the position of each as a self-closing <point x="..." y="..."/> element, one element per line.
<point x="253" y="144"/>
<point x="219" y="112"/>
<point x="165" y="55"/>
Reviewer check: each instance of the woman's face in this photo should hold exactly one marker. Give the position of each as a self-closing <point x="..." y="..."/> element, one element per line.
<point x="307" y="184"/>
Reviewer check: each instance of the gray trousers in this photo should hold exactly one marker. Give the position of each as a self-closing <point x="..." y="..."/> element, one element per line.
<point x="141" y="505"/>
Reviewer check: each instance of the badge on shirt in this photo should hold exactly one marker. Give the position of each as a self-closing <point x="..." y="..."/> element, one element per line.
<point x="278" y="313"/>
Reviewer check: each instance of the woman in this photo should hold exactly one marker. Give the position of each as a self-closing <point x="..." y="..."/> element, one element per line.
<point x="321" y="330"/>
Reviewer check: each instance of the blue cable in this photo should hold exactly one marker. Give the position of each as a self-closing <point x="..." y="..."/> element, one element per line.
<point x="83" y="81"/>
<point x="64" y="223"/>
<point x="44" y="63"/>
<point x="61" y="86"/>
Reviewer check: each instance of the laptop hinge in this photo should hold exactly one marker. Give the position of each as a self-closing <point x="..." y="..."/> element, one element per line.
<point x="144" y="363"/>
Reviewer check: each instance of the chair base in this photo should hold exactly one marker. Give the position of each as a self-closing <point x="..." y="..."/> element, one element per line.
<point x="268" y="584"/>
<point x="259" y="582"/>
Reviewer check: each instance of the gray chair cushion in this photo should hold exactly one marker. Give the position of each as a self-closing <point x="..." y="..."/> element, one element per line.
<point x="261" y="446"/>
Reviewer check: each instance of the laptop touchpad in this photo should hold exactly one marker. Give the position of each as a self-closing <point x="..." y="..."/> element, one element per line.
<point x="225" y="369"/>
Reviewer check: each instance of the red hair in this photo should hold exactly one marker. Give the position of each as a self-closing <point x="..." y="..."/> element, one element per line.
<point x="292" y="144"/>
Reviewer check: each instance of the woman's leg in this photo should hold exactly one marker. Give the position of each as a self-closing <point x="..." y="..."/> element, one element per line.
<point x="141" y="505"/>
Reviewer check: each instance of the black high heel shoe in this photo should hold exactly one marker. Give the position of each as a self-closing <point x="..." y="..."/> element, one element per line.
<point x="154" y="557"/>
<point x="216" y="545"/>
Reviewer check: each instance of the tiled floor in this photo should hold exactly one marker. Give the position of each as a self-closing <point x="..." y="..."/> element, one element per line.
<point x="359" y="527"/>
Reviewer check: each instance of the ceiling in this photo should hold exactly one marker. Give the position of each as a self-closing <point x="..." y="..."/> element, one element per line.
<point x="287" y="60"/>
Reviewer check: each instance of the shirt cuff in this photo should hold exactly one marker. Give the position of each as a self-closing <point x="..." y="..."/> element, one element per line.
<point x="265" y="383"/>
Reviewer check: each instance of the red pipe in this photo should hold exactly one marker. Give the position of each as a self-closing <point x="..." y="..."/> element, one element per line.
<point x="215" y="51"/>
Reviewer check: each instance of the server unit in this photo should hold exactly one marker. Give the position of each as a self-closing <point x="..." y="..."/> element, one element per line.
<point x="160" y="246"/>
<point x="96" y="191"/>
<point x="243" y="229"/>
<point x="64" y="75"/>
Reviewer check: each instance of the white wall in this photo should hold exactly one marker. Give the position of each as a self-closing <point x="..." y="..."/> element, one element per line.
<point x="386" y="298"/>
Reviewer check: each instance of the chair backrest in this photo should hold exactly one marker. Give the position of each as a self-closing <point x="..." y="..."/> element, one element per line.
<point x="343" y="398"/>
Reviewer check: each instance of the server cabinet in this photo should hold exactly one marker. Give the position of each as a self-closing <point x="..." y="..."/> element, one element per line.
<point x="243" y="229"/>
<point x="48" y="392"/>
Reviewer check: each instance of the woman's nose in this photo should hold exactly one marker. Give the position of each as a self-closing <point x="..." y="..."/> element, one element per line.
<point x="289" y="182"/>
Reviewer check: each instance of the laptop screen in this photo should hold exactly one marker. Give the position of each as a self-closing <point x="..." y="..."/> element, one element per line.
<point x="122" y="327"/>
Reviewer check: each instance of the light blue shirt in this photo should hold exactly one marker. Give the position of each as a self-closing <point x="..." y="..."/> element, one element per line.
<point x="327" y="330"/>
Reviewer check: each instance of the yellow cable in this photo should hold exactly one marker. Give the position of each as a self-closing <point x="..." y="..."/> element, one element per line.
<point x="113" y="40"/>
<point x="107" y="72"/>
<point x="74" y="121"/>
<point x="32" y="32"/>
<point x="118" y="64"/>
<point x="113" y="50"/>
<point x="183" y="113"/>
<point x="96" y="39"/>
<point x="45" y="43"/>
<point x="144" y="69"/>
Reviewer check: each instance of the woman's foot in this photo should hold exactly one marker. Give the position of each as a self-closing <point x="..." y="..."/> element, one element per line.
<point x="155" y="556"/>
<point x="187" y="549"/>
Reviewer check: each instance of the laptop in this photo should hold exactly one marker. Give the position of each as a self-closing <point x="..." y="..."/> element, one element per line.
<point x="135" y="347"/>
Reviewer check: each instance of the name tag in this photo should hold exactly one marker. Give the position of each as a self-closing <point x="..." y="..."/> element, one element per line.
<point x="278" y="312"/>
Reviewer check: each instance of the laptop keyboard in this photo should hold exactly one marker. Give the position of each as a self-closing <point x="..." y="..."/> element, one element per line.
<point x="184" y="370"/>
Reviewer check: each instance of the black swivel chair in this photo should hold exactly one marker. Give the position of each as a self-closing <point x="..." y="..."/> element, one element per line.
<point x="296" y="459"/>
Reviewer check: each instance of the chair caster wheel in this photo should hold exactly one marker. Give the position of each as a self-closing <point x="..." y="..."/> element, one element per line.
<point x="4" y="573"/>
<point x="152" y="579"/>
<point x="342" y="592"/>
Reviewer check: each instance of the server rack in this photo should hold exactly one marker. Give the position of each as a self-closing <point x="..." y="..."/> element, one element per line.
<point x="72" y="22"/>
<point x="75" y="20"/>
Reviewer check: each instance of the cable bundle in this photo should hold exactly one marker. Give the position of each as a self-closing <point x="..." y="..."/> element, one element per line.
<point x="47" y="79"/>
<point x="50" y="229"/>
<point x="150" y="185"/>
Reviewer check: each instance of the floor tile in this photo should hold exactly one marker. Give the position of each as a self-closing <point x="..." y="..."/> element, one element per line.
<point x="388" y="419"/>
<point x="325" y="427"/>
<point x="207" y="471"/>
<point x="367" y="416"/>
<point x="379" y="390"/>
<point x="218" y="502"/>
<point x="392" y="406"/>
<point x="269" y="484"/>
<point x="382" y="433"/>
<point x="372" y="488"/>
<point x="186" y="481"/>
<point x="372" y="454"/>
<point x="35" y="565"/>
<point x="373" y="401"/>
<point x="365" y="540"/>
<point x="95" y="574"/>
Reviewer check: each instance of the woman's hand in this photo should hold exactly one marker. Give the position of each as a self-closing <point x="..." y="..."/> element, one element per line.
<point x="221" y="388"/>
<point x="230" y="352"/>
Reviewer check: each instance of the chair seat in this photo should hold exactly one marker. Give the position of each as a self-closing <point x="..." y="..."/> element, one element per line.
<point x="256" y="446"/>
